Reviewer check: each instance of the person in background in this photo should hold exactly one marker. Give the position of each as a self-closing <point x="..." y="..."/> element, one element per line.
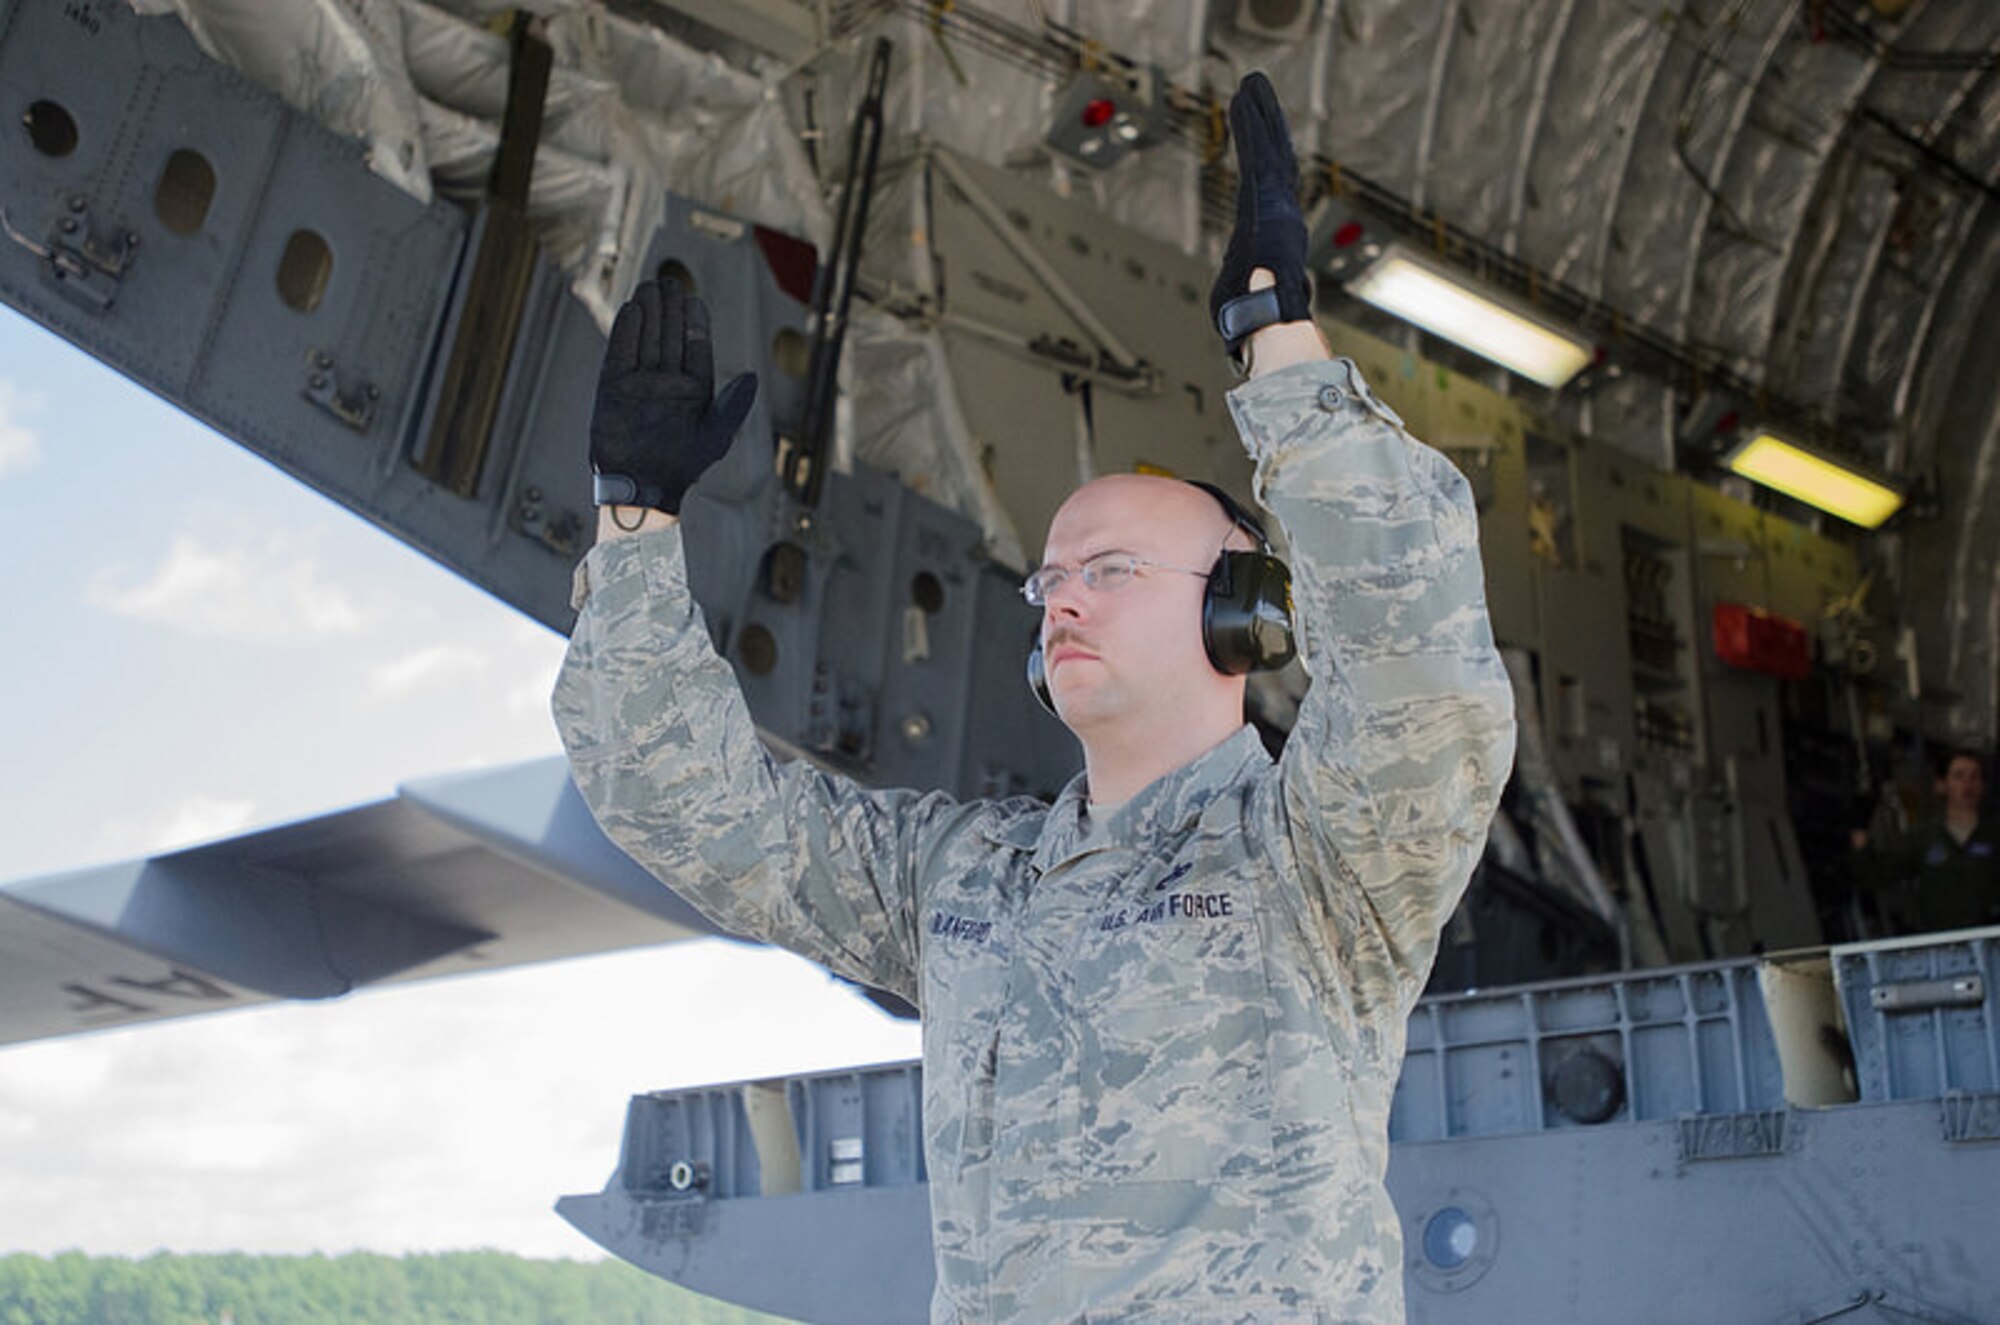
<point x="1942" y="873"/>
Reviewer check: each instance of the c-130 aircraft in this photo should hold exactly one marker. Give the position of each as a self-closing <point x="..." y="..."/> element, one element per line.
<point x="385" y="267"/>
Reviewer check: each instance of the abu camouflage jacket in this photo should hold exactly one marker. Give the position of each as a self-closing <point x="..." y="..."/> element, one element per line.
<point x="1158" y="1049"/>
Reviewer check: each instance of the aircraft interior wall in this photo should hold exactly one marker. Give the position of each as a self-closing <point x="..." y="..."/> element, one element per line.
<point x="1012" y="343"/>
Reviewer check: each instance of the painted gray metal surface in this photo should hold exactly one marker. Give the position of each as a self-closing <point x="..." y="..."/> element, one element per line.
<point x="1919" y="1014"/>
<point x="1865" y="1209"/>
<point x="1617" y="1149"/>
<point x="1866" y="1213"/>
<point x="868" y="662"/>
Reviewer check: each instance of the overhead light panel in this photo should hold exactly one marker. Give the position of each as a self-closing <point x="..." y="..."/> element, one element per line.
<point x="1431" y="297"/>
<point x="1101" y="118"/>
<point x="1814" y="479"/>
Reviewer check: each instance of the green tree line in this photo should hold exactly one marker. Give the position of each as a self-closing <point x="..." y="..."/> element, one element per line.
<point x="451" y="1288"/>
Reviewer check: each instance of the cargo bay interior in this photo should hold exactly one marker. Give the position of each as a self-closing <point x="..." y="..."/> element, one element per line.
<point x="966" y="246"/>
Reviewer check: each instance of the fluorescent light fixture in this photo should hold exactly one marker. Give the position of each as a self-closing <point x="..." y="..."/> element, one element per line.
<point x="1441" y="303"/>
<point x="1814" y="480"/>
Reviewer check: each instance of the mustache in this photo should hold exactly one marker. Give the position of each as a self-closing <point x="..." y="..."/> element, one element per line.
<point x="1063" y="635"/>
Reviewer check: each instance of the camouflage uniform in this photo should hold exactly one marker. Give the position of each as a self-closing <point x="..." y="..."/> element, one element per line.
<point x="1159" y="1049"/>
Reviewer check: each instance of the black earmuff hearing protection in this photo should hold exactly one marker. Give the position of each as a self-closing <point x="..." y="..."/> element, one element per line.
<point x="1246" y="615"/>
<point x="1246" y="612"/>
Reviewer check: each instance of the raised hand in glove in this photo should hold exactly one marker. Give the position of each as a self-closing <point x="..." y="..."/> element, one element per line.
<point x="1270" y="229"/>
<point x="654" y="429"/>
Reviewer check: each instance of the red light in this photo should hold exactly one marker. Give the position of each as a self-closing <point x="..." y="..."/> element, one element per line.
<point x="1348" y="235"/>
<point x="793" y="262"/>
<point x="1098" y="112"/>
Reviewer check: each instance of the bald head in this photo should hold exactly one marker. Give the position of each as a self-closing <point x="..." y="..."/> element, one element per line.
<point x="1126" y="662"/>
<point x="1162" y="518"/>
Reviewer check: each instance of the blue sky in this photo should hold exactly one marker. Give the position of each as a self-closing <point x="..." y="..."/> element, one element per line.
<point x="191" y="645"/>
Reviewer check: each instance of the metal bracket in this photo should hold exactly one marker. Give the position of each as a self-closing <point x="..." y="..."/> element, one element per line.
<point x="82" y="264"/>
<point x="1953" y="991"/>
<point x="354" y="406"/>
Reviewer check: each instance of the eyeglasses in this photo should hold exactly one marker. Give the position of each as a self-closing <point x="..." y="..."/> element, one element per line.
<point x="1105" y="572"/>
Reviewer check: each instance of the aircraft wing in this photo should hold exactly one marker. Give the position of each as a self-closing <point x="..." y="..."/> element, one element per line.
<point x="451" y="875"/>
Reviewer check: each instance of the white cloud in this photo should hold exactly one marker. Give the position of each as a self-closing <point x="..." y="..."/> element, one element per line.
<point x="191" y="820"/>
<point x="376" y="1121"/>
<point x="266" y="592"/>
<point x="434" y="664"/>
<point x="202" y="819"/>
<point x="533" y="656"/>
<point x="19" y="447"/>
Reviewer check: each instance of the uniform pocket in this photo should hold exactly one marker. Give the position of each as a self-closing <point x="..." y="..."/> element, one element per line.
<point x="1172" y="1052"/>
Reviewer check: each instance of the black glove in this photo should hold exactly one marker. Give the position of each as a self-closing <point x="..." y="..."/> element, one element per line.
<point x="1270" y="228"/>
<point x="654" y="429"/>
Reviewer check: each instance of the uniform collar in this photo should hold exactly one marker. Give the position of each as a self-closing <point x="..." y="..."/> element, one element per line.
<point x="1163" y="808"/>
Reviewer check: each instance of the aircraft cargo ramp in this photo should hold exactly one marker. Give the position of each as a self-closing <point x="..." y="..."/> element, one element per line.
<point x="1811" y="1136"/>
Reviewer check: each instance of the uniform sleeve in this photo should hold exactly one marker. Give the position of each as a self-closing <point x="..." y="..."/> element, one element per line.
<point x="663" y="750"/>
<point x="1406" y="736"/>
<point x="1886" y="872"/>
